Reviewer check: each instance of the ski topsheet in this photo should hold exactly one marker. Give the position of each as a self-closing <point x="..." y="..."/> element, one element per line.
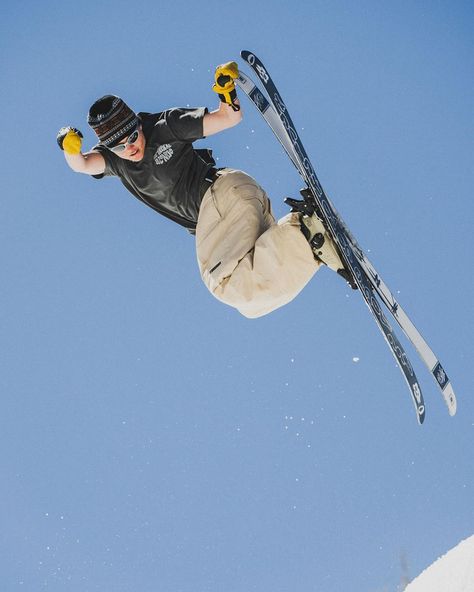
<point x="367" y="279"/>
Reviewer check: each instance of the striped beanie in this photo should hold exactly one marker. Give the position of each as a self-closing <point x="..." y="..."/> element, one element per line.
<point x="112" y="120"/>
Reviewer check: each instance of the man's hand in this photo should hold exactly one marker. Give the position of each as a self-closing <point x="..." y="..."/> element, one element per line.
<point x="70" y="140"/>
<point x="224" y="84"/>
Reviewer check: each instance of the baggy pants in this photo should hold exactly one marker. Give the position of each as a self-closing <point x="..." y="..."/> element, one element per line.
<point x="246" y="258"/>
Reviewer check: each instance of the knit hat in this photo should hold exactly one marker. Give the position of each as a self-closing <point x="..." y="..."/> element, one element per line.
<point x="112" y="120"/>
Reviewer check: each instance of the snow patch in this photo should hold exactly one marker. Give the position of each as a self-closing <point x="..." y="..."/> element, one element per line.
<point x="453" y="572"/>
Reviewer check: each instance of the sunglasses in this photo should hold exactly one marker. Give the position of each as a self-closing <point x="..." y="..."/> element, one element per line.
<point x="132" y="138"/>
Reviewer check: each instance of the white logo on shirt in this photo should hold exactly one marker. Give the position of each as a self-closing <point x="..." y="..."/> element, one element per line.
<point x="163" y="154"/>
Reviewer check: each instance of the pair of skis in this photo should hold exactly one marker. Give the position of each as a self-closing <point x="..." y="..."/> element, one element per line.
<point x="366" y="278"/>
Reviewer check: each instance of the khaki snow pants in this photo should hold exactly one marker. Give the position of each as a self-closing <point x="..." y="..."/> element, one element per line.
<point x="246" y="258"/>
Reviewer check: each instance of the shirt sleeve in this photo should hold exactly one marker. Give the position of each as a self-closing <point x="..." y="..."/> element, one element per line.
<point x="186" y="125"/>
<point x="111" y="164"/>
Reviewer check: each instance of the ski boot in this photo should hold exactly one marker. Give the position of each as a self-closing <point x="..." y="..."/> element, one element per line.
<point x="320" y="240"/>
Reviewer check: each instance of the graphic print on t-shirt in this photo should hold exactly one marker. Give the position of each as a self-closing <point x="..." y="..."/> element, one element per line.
<point x="163" y="154"/>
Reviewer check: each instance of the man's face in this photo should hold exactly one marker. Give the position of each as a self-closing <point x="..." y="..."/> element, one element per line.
<point x="133" y="151"/>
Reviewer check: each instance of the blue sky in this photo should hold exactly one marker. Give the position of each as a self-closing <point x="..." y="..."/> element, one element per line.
<point x="154" y="440"/>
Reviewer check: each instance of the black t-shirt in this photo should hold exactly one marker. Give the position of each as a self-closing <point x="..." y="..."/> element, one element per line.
<point x="169" y="177"/>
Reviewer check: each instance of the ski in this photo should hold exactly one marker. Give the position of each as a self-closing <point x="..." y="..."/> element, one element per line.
<point x="367" y="279"/>
<point x="433" y="364"/>
<point x="345" y="247"/>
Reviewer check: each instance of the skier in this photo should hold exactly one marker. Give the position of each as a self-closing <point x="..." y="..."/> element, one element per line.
<point x="246" y="258"/>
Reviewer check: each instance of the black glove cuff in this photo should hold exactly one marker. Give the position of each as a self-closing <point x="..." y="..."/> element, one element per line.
<point x="233" y="98"/>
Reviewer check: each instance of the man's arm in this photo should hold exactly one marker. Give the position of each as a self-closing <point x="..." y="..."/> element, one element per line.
<point x="90" y="163"/>
<point x="221" y="119"/>
<point x="229" y="113"/>
<point x="70" y="140"/>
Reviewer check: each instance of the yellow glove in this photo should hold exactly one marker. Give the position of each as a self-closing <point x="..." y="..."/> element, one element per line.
<point x="70" y="140"/>
<point x="224" y="83"/>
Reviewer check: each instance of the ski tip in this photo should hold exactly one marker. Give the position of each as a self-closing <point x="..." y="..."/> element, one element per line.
<point x="421" y="414"/>
<point x="450" y="399"/>
<point x="444" y="384"/>
<point x="246" y="55"/>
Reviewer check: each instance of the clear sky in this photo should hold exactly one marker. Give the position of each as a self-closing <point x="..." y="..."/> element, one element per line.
<point x="152" y="439"/>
